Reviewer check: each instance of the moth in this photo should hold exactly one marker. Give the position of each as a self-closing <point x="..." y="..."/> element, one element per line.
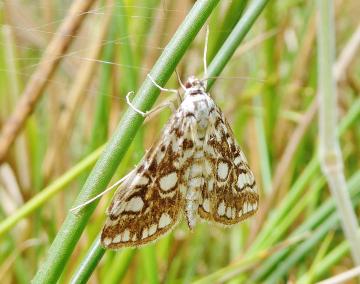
<point x="196" y="170"/>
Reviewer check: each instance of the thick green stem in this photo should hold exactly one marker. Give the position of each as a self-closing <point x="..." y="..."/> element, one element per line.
<point x="235" y="38"/>
<point x="88" y="265"/>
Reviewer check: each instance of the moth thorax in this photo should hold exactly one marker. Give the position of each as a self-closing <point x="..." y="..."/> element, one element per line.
<point x="194" y="84"/>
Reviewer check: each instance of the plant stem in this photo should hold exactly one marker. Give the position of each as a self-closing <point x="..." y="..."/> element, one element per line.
<point x="235" y="38"/>
<point x="329" y="151"/>
<point x="89" y="263"/>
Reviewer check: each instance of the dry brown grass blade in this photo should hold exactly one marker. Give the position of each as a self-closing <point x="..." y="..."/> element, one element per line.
<point x="21" y="155"/>
<point x="38" y="81"/>
<point x="77" y="94"/>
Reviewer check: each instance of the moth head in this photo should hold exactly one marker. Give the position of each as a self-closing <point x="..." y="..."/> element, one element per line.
<point x="195" y="85"/>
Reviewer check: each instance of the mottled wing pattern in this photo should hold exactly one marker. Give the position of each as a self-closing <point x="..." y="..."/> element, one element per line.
<point x="151" y="203"/>
<point x="229" y="194"/>
<point x="197" y="168"/>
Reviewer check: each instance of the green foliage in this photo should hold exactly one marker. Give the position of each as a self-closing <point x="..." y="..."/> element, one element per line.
<point x="295" y="236"/>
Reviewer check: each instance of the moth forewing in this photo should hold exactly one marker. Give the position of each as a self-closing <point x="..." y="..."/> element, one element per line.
<point x="196" y="169"/>
<point x="152" y="202"/>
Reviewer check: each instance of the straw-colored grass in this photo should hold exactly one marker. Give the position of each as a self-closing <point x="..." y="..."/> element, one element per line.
<point x="67" y="133"/>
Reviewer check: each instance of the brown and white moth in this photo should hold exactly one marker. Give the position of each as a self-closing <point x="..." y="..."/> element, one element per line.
<point x="197" y="169"/>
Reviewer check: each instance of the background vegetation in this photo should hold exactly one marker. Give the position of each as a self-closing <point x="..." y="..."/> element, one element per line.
<point x="65" y="75"/>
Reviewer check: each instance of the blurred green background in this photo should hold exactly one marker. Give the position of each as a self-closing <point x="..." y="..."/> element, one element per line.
<point x="268" y="91"/>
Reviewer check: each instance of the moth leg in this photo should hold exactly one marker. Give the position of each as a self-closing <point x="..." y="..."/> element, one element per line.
<point x="164" y="89"/>
<point x="132" y="106"/>
<point x="169" y="104"/>
<point x="118" y="184"/>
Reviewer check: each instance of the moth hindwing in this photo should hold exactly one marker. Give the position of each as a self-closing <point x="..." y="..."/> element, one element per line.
<point x="197" y="169"/>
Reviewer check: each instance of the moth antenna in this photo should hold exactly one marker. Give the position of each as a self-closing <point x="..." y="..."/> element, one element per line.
<point x="119" y="182"/>
<point x="234" y="77"/>
<point x="205" y="50"/>
<point x="179" y="80"/>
